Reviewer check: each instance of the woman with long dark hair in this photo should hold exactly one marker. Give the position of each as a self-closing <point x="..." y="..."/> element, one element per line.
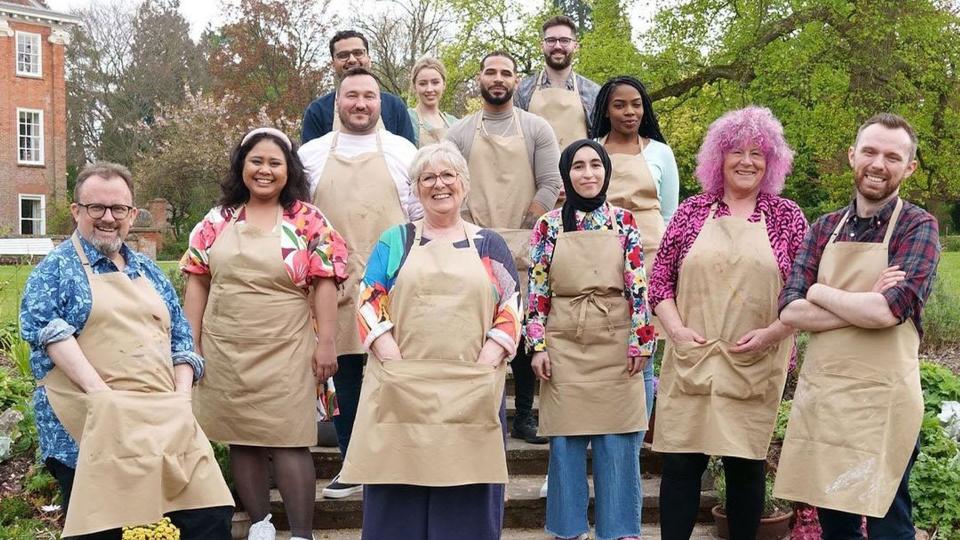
<point x="259" y="265"/>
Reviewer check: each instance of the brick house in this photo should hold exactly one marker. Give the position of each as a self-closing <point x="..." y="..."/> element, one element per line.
<point x="33" y="117"/>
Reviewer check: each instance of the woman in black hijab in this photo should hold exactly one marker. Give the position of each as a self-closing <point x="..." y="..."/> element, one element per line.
<point x="588" y="326"/>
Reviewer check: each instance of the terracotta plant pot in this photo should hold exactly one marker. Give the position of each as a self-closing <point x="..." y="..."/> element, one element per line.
<point x="771" y="528"/>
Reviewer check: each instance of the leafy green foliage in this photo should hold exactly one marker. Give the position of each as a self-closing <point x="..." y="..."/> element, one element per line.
<point x="939" y="384"/>
<point x="13" y="509"/>
<point x="783" y="415"/>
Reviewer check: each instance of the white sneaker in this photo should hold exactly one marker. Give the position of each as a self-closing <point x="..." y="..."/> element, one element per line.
<point x="262" y="530"/>
<point x="543" y="488"/>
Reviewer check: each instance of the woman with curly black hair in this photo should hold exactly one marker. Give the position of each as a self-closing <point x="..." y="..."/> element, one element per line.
<point x="259" y="265"/>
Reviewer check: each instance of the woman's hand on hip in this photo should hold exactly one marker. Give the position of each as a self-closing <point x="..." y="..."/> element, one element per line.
<point x="541" y="365"/>
<point x="636" y="364"/>
<point x="324" y="361"/>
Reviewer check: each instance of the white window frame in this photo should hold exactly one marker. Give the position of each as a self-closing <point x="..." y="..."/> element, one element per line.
<point x="42" y="219"/>
<point x="38" y="43"/>
<point x="40" y="147"/>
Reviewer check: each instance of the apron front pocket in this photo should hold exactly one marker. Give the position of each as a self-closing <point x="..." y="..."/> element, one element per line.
<point x="862" y="404"/>
<point x="711" y="369"/>
<point x="265" y="365"/>
<point x="429" y="392"/>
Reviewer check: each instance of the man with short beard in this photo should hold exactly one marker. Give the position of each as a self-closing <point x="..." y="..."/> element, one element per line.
<point x="858" y="285"/>
<point x="358" y="177"/>
<point x="562" y="97"/>
<point x="514" y="179"/>
<point x="114" y="358"/>
<point x="349" y="49"/>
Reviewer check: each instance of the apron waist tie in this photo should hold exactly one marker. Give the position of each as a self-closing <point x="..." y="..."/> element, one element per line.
<point x="583" y="300"/>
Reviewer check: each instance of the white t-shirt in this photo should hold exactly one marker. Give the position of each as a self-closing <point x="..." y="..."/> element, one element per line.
<point x="397" y="151"/>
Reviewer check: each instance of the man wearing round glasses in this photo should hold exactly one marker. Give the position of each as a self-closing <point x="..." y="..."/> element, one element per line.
<point x="556" y="93"/>
<point x="349" y="49"/>
<point x="114" y="358"/>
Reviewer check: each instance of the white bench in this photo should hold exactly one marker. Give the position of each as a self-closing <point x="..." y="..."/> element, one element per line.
<point x="25" y="246"/>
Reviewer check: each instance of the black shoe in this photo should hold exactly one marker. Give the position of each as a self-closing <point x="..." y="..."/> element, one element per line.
<point x="525" y="428"/>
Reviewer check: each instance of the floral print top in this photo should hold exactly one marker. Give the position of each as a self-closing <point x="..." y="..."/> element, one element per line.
<point x="310" y="248"/>
<point x="542" y="242"/>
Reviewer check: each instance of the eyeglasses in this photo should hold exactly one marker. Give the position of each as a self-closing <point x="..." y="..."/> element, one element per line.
<point x="564" y="41"/>
<point x="97" y="211"/>
<point x="343" y="56"/>
<point x="430" y="180"/>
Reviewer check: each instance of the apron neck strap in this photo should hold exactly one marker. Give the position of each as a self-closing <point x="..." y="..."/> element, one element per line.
<point x="543" y="73"/>
<point x="514" y="117"/>
<point x="236" y="214"/>
<point x="890" y="224"/>
<point x="336" y="138"/>
<point x="418" y="233"/>
<point x="75" y="238"/>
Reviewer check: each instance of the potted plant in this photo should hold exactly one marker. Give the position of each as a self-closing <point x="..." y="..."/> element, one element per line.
<point x="777" y="513"/>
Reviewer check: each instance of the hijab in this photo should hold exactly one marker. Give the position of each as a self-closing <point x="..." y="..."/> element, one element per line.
<point x="574" y="201"/>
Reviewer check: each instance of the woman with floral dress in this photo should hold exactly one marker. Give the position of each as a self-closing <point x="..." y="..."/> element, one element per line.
<point x="259" y="265"/>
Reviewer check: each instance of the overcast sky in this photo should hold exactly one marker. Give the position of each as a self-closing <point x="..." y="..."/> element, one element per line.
<point x="202" y="12"/>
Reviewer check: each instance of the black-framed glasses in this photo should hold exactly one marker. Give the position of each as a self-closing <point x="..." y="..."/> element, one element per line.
<point x="430" y="180"/>
<point x="564" y="41"/>
<point x="343" y="56"/>
<point x="97" y="211"/>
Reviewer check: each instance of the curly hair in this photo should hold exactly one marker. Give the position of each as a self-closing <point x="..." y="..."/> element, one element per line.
<point x="649" y="125"/>
<point x="739" y="128"/>
<point x="233" y="192"/>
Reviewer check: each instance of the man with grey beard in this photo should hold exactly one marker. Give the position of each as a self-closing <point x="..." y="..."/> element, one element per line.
<point x="114" y="358"/>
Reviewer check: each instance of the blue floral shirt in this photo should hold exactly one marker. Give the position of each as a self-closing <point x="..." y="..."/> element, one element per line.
<point x="56" y="304"/>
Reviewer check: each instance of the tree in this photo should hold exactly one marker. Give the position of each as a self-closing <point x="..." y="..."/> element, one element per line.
<point x="273" y="54"/>
<point x="115" y="82"/>
<point x="607" y="50"/>
<point x="400" y="34"/>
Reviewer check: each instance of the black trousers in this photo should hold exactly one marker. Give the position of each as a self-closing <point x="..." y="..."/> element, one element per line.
<point x="680" y="495"/>
<point x="197" y="524"/>
<point x="524" y="380"/>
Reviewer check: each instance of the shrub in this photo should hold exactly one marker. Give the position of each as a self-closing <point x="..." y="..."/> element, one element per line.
<point x="950" y="243"/>
<point x="941" y="315"/>
<point x="939" y="384"/>
<point x="13" y="509"/>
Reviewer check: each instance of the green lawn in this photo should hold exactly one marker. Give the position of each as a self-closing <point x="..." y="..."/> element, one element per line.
<point x="949" y="270"/>
<point x="12" y="280"/>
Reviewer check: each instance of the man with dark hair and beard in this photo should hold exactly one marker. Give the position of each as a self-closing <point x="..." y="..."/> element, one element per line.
<point x="513" y="159"/>
<point x="556" y="93"/>
<point x="858" y="285"/>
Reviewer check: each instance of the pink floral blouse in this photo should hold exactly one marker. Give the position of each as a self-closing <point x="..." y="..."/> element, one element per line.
<point x="310" y="248"/>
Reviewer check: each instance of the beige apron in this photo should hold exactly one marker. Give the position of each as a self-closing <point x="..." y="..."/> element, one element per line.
<point x="433" y="418"/>
<point x="716" y="402"/>
<point x="431" y="135"/>
<point x="562" y="109"/>
<point x="587" y="336"/>
<point x="502" y="187"/>
<point x="336" y="116"/>
<point x="258" y="338"/>
<point x="632" y="187"/>
<point x="359" y="197"/>
<point x="858" y="407"/>
<point x="142" y="453"/>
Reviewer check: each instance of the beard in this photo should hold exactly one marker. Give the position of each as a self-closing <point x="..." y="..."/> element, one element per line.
<point x="364" y="126"/>
<point x="563" y="63"/>
<point x="872" y="192"/>
<point x="108" y="247"/>
<point x="494" y="100"/>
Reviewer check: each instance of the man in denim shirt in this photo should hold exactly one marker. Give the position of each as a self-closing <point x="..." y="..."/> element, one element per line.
<point x="56" y="307"/>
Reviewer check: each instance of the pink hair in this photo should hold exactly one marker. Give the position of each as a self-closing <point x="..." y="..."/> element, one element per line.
<point x="739" y="128"/>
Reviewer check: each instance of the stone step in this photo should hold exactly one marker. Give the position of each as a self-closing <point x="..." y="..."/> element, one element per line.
<point x="522" y="458"/>
<point x="703" y="531"/>
<point x="524" y="509"/>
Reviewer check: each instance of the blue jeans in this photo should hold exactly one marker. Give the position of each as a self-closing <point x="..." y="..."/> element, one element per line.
<point x="897" y="524"/>
<point x="616" y="482"/>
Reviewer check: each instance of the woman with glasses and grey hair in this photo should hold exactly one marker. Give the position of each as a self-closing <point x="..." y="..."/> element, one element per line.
<point x="439" y="312"/>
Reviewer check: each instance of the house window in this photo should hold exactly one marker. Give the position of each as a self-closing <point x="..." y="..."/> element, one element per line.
<point x="28" y="54"/>
<point x="32" y="215"/>
<point x="29" y="137"/>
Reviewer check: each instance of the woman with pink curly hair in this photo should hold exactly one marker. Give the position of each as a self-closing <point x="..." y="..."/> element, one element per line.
<point x="715" y="283"/>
